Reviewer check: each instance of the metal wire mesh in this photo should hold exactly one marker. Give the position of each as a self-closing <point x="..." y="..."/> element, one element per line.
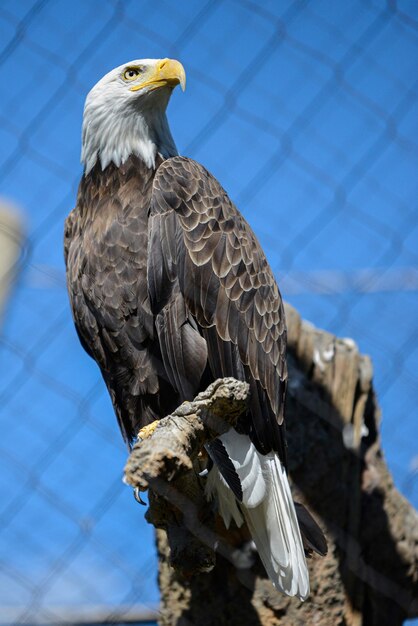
<point x="307" y="114"/>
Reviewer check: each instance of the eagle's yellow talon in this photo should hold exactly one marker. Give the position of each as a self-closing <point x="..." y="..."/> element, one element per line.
<point x="147" y="431"/>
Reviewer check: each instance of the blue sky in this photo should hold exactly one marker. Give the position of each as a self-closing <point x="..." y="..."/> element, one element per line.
<point x="307" y="114"/>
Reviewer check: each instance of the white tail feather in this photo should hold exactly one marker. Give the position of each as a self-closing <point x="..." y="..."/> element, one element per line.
<point x="217" y="487"/>
<point x="268" y="510"/>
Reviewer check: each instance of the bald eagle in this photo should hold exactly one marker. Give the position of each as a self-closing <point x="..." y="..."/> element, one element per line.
<point x="169" y="290"/>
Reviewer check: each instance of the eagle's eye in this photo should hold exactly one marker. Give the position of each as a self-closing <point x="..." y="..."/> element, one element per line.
<point x="131" y="73"/>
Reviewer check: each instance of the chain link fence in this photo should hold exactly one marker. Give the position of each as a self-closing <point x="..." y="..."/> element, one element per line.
<point x="307" y="114"/>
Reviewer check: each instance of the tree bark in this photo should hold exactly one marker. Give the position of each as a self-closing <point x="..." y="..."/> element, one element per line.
<point x="337" y="469"/>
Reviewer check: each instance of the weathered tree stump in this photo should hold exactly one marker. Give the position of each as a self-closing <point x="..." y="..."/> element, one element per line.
<point x="337" y="469"/>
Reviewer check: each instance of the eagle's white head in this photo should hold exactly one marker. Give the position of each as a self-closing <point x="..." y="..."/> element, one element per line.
<point x="125" y="115"/>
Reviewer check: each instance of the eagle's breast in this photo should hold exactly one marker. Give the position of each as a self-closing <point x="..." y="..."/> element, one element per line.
<point x="107" y="274"/>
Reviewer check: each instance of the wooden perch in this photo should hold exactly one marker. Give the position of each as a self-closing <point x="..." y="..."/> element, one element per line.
<point x="11" y="247"/>
<point x="370" y="576"/>
<point x="166" y="463"/>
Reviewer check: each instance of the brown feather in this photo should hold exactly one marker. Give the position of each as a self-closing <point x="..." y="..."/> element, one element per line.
<point x="236" y="293"/>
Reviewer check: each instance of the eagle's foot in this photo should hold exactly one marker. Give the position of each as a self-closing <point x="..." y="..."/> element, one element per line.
<point x="137" y="496"/>
<point x="147" y="431"/>
<point x="209" y="464"/>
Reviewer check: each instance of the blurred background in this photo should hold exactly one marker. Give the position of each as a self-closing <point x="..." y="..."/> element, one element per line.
<point x="307" y="113"/>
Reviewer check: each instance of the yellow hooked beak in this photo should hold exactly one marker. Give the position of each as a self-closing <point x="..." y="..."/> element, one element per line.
<point x="167" y="72"/>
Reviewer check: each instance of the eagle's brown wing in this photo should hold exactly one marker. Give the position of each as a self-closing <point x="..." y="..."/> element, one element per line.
<point x="203" y="256"/>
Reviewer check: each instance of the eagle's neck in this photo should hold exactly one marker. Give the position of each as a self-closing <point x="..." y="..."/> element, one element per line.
<point x="113" y="138"/>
